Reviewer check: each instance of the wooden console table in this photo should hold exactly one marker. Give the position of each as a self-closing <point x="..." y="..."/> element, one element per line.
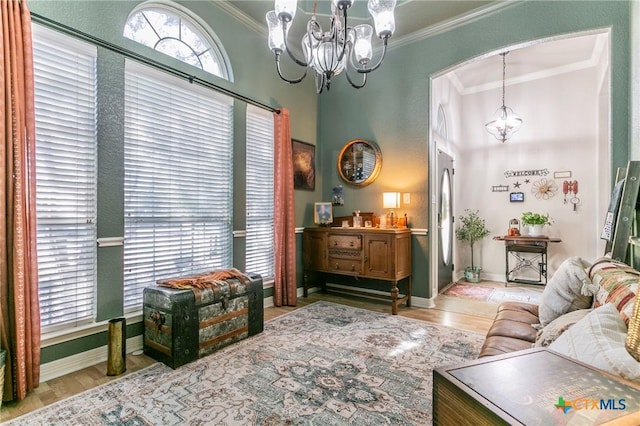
<point x="534" y="260"/>
<point x="381" y="254"/>
<point x="526" y="388"/>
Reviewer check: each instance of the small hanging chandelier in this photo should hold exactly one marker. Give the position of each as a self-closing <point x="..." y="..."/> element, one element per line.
<point x="342" y="48"/>
<point x="505" y="122"/>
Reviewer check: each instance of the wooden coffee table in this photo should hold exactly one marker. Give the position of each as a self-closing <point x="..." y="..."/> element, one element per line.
<point x="526" y="387"/>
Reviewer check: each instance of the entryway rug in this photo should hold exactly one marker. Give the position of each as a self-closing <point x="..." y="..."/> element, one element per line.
<point x="475" y="292"/>
<point x="494" y="294"/>
<point x="323" y="364"/>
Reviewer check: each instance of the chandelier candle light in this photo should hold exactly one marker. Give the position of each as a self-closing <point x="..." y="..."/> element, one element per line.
<point x="342" y="48"/>
<point x="391" y="200"/>
<point x="505" y="122"/>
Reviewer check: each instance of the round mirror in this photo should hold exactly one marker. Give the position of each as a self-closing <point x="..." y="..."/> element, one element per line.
<point x="359" y="162"/>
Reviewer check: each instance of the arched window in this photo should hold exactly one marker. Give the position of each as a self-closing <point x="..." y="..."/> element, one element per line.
<point x="171" y="30"/>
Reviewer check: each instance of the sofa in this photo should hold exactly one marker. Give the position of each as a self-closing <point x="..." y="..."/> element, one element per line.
<point x="586" y="312"/>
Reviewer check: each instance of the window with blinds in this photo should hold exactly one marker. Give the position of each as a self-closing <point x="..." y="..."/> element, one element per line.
<point x="259" y="199"/>
<point x="178" y="179"/>
<point x="66" y="155"/>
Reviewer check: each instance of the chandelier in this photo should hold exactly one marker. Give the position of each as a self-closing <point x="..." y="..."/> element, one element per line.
<point x="342" y="48"/>
<point x="505" y="122"/>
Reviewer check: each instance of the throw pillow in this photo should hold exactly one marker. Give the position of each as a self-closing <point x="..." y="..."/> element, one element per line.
<point x="616" y="283"/>
<point x="555" y="328"/>
<point x="567" y="290"/>
<point x="598" y="340"/>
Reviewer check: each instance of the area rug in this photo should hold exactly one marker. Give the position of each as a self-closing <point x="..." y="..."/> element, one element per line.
<point x="495" y="295"/>
<point x="475" y="292"/>
<point x="324" y="364"/>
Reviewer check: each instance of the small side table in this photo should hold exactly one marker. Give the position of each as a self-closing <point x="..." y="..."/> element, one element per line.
<point x="529" y="255"/>
<point x="532" y="387"/>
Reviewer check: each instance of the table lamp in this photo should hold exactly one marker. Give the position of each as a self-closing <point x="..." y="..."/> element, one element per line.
<point x="391" y="200"/>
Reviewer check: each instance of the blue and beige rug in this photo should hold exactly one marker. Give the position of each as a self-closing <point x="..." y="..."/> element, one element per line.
<point x="324" y="364"/>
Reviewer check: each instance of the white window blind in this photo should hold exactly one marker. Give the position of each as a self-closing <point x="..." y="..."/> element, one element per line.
<point x="66" y="147"/>
<point x="259" y="199"/>
<point x="178" y="180"/>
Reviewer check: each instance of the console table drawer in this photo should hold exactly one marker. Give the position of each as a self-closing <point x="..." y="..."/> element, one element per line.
<point x="345" y="241"/>
<point x="345" y="265"/>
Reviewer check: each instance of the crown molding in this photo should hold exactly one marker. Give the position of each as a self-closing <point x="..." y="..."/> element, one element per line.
<point x="241" y="17"/>
<point x="452" y="23"/>
<point x="414" y="37"/>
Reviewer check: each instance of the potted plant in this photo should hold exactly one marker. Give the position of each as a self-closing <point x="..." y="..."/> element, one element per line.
<point x="535" y="222"/>
<point x="472" y="229"/>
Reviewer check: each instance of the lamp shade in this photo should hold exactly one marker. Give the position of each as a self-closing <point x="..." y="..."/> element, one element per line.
<point x="362" y="45"/>
<point x="286" y="9"/>
<point x="390" y="200"/>
<point x="276" y="38"/>
<point x="382" y="13"/>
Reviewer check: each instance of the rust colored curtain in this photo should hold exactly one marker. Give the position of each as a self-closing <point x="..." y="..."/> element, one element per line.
<point x="19" y="306"/>
<point x="285" y="287"/>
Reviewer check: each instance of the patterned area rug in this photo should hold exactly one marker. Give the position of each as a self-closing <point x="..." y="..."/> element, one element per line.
<point x="495" y="295"/>
<point x="324" y="364"/>
<point x="475" y="292"/>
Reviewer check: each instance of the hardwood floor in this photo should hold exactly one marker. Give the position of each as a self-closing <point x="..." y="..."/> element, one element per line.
<point x="455" y="312"/>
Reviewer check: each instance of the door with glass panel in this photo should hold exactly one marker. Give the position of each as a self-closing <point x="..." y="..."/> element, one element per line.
<point x="445" y="220"/>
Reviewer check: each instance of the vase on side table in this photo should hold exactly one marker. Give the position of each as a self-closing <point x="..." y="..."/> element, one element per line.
<point x="536" y="230"/>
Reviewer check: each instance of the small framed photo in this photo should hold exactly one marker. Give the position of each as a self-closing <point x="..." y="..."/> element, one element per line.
<point x="516" y="197"/>
<point x="322" y="213"/>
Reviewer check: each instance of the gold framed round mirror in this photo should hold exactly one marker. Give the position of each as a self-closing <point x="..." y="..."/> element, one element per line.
<point x="359" y="162"/>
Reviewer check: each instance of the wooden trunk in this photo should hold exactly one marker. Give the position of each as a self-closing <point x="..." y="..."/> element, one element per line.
<point x="181" y="326"/>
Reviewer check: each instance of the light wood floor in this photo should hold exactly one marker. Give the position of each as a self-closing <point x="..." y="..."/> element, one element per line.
<point x="455" y="312"/>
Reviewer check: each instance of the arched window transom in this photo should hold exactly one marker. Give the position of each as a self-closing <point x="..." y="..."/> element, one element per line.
<point x="173" y="33"/>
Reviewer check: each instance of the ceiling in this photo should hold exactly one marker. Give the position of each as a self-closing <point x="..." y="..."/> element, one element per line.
<point x="410" y="15"/>
<point x="417" y="19"/>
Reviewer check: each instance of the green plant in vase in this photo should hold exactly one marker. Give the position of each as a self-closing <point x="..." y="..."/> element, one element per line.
<point x="471" y="230"/>
<point x="535" y="223"/>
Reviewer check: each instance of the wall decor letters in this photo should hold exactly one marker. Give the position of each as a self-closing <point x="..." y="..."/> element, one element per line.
<point x="515" y="173"/>
<point x="500" y="188"/>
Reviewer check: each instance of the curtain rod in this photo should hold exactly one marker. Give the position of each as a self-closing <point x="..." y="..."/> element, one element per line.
<point x="136" y="56"/>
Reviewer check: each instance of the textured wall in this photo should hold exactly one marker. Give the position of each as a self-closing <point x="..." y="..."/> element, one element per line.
<point x="393" y="109"/>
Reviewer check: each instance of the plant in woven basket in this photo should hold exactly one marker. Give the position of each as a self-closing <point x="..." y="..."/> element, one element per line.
<point x="471" y="230"/>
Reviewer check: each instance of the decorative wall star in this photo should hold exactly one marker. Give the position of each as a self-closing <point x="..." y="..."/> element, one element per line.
<point x="517" y="184"/>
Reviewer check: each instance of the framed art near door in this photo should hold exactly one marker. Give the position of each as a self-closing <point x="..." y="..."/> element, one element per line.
<point x="304" y="165"/>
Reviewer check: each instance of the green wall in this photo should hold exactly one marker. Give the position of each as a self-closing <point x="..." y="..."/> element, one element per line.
<point x="393" y="108"/>
<point x="254" y="75"/>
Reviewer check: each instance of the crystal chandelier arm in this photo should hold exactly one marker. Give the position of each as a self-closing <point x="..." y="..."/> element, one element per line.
<point x="292" y="81"/>
<point x="286" y="46"/>
<point x="376" y="66"/>
<point x="346" y="36"/>
<point x="357" y="86"/>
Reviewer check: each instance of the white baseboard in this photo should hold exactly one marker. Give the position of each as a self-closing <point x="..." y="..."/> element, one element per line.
<point x="70" y="364"/>
<point x="73" y="363"/>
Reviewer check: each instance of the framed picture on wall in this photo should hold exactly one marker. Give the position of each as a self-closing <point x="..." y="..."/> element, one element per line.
<point x="322" y="213"/>
<point x="304" y="165"/>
